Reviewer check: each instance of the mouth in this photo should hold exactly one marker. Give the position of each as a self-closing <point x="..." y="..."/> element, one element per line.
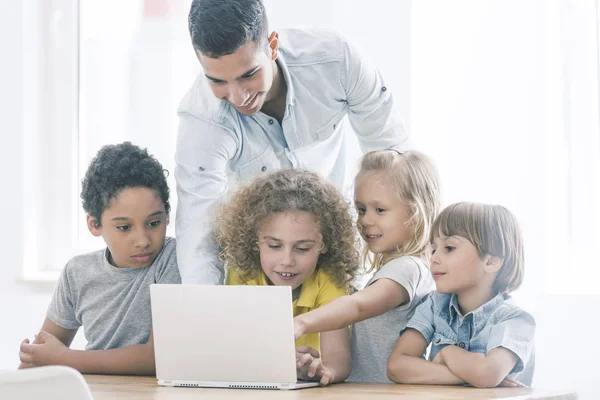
<point x="249" y="104"/>
<point x="286" y="275"/>
<point x="372" y="238"/>
<point x="142" y="258"/>
<point x="436" y="275"/>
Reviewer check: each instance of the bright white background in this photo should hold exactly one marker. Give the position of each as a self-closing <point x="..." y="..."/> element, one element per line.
<point x="502" y="94"/>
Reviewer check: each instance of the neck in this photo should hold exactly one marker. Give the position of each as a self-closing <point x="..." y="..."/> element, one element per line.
<point x="474" y="298"/>
<point x="275" y="105"/>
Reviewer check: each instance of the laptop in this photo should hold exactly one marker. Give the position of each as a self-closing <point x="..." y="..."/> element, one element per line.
<point x="238" y="337"/>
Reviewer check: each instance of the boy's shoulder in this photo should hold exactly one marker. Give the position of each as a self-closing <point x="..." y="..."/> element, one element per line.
<point x="507" y="309"/>
<point x="86" y="260"/>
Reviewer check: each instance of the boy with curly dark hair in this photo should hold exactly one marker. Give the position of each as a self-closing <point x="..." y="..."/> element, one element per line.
<point x="126" y="198"/>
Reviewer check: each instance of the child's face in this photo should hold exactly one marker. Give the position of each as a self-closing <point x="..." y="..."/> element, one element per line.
<point x="133" y="226"/>
<point x="290" y="244"/>
<point x="456" y="265"/>
<point x="382" y="216"/>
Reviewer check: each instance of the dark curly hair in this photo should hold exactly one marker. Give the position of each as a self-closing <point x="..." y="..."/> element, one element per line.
<point x="240" y="219"/>
<point x="117" y="167"/>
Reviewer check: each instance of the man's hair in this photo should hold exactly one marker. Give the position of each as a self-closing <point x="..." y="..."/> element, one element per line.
<point x="493" y="230"/>
<point x="220" y="27"/>
<point x="118" y="167"/>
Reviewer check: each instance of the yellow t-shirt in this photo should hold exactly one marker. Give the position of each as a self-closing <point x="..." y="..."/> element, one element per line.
<point x="317" y="290"/>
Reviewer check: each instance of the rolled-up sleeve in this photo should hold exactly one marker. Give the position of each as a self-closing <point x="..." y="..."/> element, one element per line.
<point x="374" y="115"/>
<point x="422" y="319"/>
<point x="201" y="160"/>
<point x="515" y="332"/>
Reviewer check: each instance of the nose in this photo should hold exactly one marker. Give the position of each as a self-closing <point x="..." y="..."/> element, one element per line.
<point x="287" y="259"/>
<point x="141" y="239"/>
<point x="365" y="219"/>
<point x="435" y="260"/>
<point x="238" y="96"/>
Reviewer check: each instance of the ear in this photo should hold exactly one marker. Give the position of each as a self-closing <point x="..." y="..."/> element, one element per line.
<point x="274" y="45"/>
<point x="93" y="226"/>
<point x="493" y="264"/>
<point x="323" y="249"/>
<point x="168" y="219"/>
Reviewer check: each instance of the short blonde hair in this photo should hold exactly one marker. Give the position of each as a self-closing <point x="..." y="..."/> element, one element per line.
<point x="415" y="180"/>
<point x="493" y="230"/>
<point x="240" y="219"/>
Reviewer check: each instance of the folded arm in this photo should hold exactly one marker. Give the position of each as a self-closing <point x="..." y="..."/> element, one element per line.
<point x="406" y="365"/>
<point x="50" y="347"/>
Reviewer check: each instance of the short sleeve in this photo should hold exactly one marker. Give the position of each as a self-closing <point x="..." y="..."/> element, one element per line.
<point x="328" y="291"/>
<point x="167" y="270"/>
<point x="515" y="332"/>
<point x="405" y="271"/>
<point x="61" y="310"/>
<point x="422" y="319"/>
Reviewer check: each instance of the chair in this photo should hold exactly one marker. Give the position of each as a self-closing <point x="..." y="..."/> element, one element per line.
<point x="48" y="383"/>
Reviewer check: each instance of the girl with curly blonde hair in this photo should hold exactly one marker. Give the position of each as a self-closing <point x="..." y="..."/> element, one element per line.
<point x="397" y="199"/>
<point x="293" y="228"/>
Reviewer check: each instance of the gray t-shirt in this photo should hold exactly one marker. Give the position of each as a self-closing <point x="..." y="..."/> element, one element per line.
<point x="112" y="304"/>
<point x="374" y="339"/>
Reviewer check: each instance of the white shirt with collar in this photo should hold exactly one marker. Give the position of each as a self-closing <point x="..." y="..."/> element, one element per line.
<point x="329" y="83"/>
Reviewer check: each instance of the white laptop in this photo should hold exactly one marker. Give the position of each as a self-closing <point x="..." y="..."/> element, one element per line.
<point x="238" y="337"/>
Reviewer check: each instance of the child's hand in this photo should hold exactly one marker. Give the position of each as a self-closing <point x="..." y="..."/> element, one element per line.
<point x="47" y="350"/>
<point x="509" y="382"/>
<point x="298" y="328"/>
<point x="309" y="366"/>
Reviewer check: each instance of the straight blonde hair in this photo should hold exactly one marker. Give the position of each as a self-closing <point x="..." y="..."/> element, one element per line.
<point x="415" y="180"/>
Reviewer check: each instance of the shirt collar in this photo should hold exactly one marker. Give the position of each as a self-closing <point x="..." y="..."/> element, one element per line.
<point x="285" y="72"/>
<point x="484" y="309"/>
<point x="309" y="292"/>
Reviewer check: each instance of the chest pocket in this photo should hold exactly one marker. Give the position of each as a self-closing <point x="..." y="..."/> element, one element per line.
<point x="265" y="162"/>
<point x="328" y="129"/>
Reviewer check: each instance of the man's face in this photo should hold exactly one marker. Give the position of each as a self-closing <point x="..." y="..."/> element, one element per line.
<point x="243" y="78"/>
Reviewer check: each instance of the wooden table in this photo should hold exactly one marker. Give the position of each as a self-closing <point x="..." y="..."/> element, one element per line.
<point x="129" y="387"/>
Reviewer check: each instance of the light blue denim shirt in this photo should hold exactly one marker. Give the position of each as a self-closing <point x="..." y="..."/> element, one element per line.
<point x="328" y="84"/>
<point x="497" y="323"/>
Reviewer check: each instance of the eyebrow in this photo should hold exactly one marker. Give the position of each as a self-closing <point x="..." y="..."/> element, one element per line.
<point x="244" y="75"/>
<point x="298" y="241"/>
<point x="154" y="214"/>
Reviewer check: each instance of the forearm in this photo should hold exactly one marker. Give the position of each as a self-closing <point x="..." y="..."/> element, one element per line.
<point x="340" y="364"/>
<point x="338" y="314"/>
<point x="473" y="368"/>
<point x="415" y="370"/>
<point x="130" y="360"/>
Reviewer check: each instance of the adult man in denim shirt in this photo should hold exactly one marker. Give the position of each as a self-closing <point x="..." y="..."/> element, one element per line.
<point x="267" y="101"/>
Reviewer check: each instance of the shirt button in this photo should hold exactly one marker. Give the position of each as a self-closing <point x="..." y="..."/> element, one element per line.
<point x="383" y="89"/>
<point x="263" y="169"/>
<point x="461" y="345"/>
<point x="437" y="341"/>
<point x="270" y="122"/>
<point x="334" y="125"/>
<point x="201" y="169"/>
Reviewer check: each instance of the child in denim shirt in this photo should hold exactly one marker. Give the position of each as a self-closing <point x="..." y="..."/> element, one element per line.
<point x="477" y="335"/>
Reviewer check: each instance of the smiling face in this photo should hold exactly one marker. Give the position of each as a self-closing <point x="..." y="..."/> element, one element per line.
<point x="133" y="226"/>
<point x="243" y="78"/>
<point x="382" y="215"/>
<point x="457" y="267"/>
<point x="289" y="245"/>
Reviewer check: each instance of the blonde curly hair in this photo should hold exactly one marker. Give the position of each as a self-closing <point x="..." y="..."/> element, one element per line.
<point x="240" y="219"/>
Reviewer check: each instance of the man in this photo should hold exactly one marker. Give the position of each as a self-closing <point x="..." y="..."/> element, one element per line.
<point x="267" y="101"/>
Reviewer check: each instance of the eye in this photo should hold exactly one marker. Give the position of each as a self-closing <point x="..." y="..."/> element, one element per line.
<point x="123" y="227"/>
<point x="432" y="251"/>
<point x="154" y="224"/>
<point x="250" y="76"/>
<point x="361" y="210"/>
<point x="379" y="210"/>
<point x="449" y="248"/>
<point x="302" y="249"/>
<point x="274" y="246"/>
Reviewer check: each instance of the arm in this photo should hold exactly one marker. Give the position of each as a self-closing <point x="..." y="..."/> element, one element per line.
<point x="335" y="363"/>
<point x="406" y="365"/>
<point x="376" y="299"/>
<point x="203" y="152"/>
<point x="479" y="370"/>
<point x="66" y="336"/>
<point x="49" y="349"/>
<point x="374" y="115"/>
